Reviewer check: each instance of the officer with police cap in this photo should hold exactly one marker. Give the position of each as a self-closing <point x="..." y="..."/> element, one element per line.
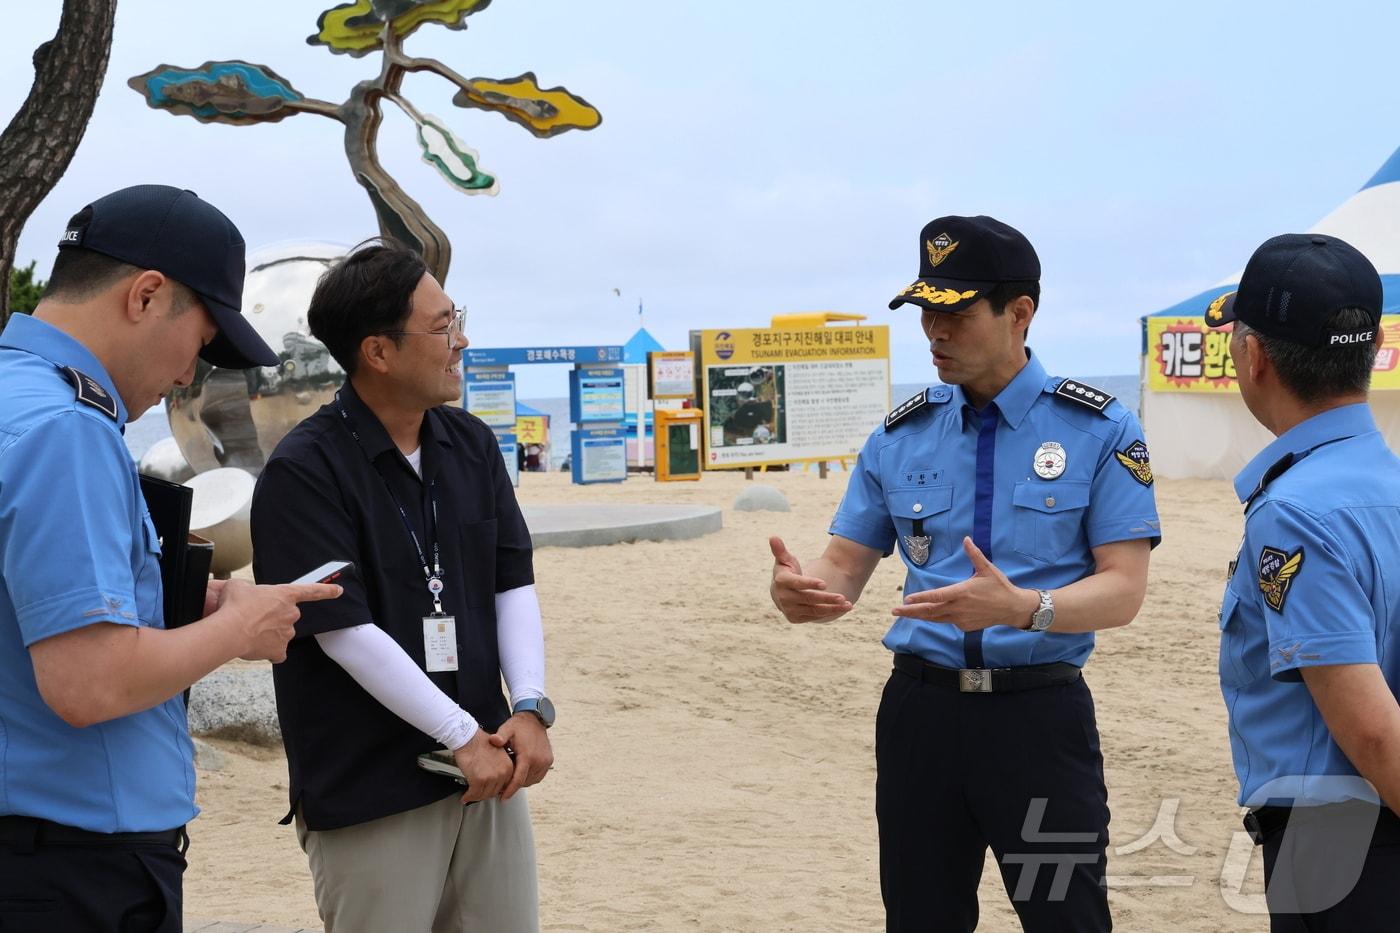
<point x="1022" y="507"/>
<point x="97" y="772"/>
<point x="1310" y="621"/>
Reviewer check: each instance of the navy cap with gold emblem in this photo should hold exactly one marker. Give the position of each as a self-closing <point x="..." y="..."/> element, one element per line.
<point x="961" y="258"/>
<point x="1294" y="283"/>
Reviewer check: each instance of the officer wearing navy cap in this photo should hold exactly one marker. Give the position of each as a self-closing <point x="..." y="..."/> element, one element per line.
<point x="96" y="775"/>
<point x="1022" y="507"/>
<point x="1310" y="621"/>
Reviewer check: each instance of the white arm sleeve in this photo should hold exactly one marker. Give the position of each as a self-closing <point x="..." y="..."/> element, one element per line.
<point x="520" y="642"/>
<point x="388" y="674"/>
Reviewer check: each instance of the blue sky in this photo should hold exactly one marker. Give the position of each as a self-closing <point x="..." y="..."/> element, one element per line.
<point x="762" y="157"/>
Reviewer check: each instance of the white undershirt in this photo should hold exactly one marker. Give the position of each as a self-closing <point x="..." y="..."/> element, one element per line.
<point x="386" y="672"/>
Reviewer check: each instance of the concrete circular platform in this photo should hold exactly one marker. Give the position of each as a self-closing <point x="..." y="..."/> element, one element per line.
<point x="593" y="525"/>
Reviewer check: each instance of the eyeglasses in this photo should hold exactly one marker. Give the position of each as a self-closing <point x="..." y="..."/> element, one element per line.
<point x="456" y="327"/>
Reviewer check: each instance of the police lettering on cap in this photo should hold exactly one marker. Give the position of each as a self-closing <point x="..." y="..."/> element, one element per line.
<point x="174" y="232"/>
<point x="962" y="258"/>
<point x="1295" y="283"/>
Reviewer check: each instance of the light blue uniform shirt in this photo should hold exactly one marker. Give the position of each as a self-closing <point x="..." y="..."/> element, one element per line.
<point x="76" y="547"/>
<point x="1309" y="588"/>
<point x="961" y="475"/>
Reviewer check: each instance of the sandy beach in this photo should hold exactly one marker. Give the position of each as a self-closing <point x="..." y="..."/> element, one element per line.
<point x="715" y="764"/>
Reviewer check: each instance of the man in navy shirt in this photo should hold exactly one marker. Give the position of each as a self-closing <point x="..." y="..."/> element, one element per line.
<point x="1309" y="653"/>
<point x="96" y="769"/>
<point x="1022" y="507"/>
<point x="442" y="606"/>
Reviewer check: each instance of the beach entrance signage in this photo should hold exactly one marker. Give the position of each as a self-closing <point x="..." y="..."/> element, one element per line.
<point x="595" y="399"/>
<point x="790" y="395"/>
<point x="597" y="406"/>
<point x="1184" y="355"/>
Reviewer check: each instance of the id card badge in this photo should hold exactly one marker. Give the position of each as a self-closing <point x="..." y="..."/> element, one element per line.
<point x="439" y="643"/>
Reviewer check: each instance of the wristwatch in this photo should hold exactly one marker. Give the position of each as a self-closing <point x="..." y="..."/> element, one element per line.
<point x="540" y="706"/>
<point x="1045" y="615"/>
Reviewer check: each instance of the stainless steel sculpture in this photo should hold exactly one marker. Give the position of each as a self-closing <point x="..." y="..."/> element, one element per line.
<point x="234" y="418"/>
<point x="241" y="93"/>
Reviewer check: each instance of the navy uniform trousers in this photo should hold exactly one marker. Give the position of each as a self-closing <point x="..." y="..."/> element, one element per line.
<point x="67" y="886"/>
<point x="1319" y="852"/>
<point x="1020" y="772"/>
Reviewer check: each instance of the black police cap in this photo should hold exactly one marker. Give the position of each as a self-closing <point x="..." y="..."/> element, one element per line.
<point x="1295" y="283"/>
<point x="961" y="258"/>
<point x="174" y="232"/>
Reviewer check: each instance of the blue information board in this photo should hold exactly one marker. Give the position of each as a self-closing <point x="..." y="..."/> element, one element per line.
<point x="510" y="452"/>
<point x="597" y="395"/>
<point x="491" y="397"/>
<point x="514" y="356"/>
<point x="599" y="455"/>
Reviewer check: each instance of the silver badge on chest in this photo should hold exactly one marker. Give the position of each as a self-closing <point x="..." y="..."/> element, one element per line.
<point x="916" y="547"/>
<point x="1049" y="460"/>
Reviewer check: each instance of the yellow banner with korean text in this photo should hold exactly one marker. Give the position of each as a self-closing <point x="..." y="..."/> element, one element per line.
<point x="1184" y="355"/>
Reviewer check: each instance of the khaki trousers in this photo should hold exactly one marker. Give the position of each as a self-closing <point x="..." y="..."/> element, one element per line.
<point x="443" y="868"/>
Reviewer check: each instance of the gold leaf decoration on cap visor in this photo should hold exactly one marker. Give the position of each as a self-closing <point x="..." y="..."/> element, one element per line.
<point x="1213" y="312"/>
<point x="936" y="296"/>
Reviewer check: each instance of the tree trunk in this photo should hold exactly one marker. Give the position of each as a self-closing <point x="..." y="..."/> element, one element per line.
<point x="37" y="146"/>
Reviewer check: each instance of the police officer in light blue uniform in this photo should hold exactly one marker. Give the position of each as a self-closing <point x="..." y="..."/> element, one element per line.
<point x="96" y="770"/>
<point x="1022" y="507"/>
<point x="1309" y="653"/>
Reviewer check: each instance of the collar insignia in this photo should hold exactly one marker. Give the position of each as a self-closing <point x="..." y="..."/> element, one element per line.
<point x="90" y="392"/>
<point x="940" y="248"/>
<point x="916" y="547"/>
<point x="1276" y="572"/>
<point x="1135" y="461"/>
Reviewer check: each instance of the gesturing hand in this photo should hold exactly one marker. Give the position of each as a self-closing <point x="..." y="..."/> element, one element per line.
<point x="801" y="598"/>
<point x="984" y="599"/>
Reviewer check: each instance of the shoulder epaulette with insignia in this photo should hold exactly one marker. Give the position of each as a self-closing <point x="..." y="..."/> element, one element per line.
<point x="1076" y="391"/>
<point x="906" y="408"/>
<point x="930" y="396"/>
<point x="90" y="391"/>
<point x="1275" y="470"/>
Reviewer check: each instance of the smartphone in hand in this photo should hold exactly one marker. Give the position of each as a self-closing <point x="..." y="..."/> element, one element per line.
<point x="327" y="572"/>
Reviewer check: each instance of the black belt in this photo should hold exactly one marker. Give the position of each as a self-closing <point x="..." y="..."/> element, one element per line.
<point x="1262" y="823"/>
<point x="988" y="680"/>
<point x="27" y="832"/>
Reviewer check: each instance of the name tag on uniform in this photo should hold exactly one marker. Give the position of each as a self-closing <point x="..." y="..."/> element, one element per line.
<point x="440" y="643"/>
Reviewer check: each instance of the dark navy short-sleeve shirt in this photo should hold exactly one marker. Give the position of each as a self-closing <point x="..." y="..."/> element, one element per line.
<point x="324" y="496"/>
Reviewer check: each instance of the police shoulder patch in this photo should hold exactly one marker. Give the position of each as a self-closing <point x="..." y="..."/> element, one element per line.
<point x="90" y="392"/>
<point x="1277" y="570"/>
<point x="906" y="408"/>
<point x="1084" y="394"/>
<point x="1135" y="460"/>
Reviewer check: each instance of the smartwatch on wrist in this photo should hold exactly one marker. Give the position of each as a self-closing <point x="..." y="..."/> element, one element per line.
<point x="1045" y="615"/>
<point x="540" y="706"/>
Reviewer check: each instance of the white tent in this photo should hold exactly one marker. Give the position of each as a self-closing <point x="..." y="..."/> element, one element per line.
<point x="1197" y="425"/>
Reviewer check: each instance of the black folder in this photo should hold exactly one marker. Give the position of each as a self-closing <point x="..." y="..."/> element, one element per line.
<point x="184" y="558"/>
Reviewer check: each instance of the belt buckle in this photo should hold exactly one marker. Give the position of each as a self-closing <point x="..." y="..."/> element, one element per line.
<point x="975" y="680"/>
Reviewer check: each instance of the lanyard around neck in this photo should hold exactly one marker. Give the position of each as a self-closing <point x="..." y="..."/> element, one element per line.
<point x="433" y="576"/>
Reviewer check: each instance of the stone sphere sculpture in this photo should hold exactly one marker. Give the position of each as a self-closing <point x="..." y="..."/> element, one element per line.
<point x="234" y="418"/>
